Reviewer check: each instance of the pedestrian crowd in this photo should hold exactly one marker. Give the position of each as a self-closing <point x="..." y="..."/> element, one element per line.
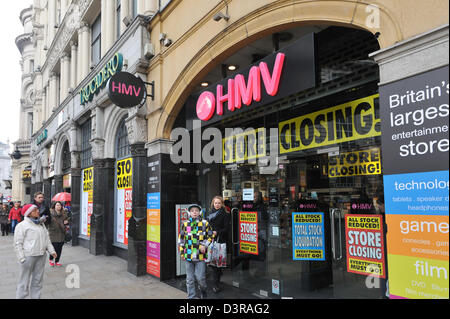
<point x="37" y="229"/>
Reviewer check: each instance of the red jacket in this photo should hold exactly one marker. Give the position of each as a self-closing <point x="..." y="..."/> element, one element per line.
<point x="15" y="214"/>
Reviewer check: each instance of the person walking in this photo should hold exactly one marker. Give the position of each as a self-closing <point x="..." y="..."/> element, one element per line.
<point x="15" y="216"/>
<point x="219" y="219"/>
<point x="193" y="240"/>
<point x="31" y="242"/>
<point x="56" y="226"/>
<point x="39" y="201"/>
<point x="4" y="215"/>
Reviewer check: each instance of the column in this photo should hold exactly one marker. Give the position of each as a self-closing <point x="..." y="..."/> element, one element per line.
<point x="151" y="7"/>
<point x="51" y="21"/>
<point x="103" y="25"/>
<point x="73" y="65"/>
<point x="64" y="7"/>
<point x="58" y="184"/>
<point x="102" y="217"/>
<point x="84" y="50"/>
<point x="53" y="92"/>
<point x="65" y="75"/>
<point x="164" y="178"/>
<point x="75" y="175"/>
<point x="110" y="24"/>
<point x="125" y="11"/>
<point x="137" y="224"/>
<point x="79" y="59"/>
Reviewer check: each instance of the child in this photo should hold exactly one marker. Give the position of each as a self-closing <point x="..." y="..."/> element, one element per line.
<point x="193" y="240"/>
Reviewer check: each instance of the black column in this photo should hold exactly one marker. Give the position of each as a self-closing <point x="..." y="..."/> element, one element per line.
<point x="47" y="190"/>
<point x="137" y="224"/>
<point x="103" y="206"/>
<point x="170" y="195"/>
<point x="58" y="184"/>
<point x="33" y="189"/>
<point x="75" y="190"/>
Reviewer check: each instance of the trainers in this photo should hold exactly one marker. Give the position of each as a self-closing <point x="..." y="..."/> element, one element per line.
<point x="58" y="265"/>
<point x="51" y="263"/>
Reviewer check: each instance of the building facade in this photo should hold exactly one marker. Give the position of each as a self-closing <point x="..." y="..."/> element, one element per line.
<point x="311" y="84"/>
<point x="5" y="173"/>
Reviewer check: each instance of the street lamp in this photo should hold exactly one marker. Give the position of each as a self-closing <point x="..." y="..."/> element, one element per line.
<point x="16" y="154"/>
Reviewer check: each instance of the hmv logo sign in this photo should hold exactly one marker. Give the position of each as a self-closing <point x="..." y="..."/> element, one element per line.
<point x="287" y="71"/>
<point x="240" y="91"/>
<point x="126" y="90"/>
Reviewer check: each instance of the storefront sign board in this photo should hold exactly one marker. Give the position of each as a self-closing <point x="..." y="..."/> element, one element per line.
<point x="415" y="143"/>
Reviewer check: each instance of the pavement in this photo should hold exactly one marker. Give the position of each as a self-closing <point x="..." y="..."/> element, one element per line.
<point x="84" y="276"/>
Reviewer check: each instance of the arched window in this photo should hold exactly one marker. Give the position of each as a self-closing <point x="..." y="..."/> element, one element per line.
<point x="122" y="144"/>
<point x="66" y="162"/>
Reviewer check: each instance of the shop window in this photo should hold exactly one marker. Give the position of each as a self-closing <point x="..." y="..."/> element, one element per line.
<point x="86" y="148"/>
<point x="66" y="162"/>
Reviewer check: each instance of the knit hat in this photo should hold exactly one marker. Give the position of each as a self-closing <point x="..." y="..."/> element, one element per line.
<point x="28" y="209"/>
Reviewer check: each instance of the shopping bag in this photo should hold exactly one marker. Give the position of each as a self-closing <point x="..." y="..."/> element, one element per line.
<point x="217" y="254"/>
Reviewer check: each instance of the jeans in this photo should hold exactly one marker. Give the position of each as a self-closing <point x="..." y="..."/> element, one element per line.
<point x="196" y="271"/>
<point x="14" y="223"/>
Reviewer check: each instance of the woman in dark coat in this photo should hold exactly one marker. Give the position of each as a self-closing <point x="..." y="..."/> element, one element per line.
<point x="219" y="219"/>
<point x="56" y="229"/>
<point x="4" y="213"/>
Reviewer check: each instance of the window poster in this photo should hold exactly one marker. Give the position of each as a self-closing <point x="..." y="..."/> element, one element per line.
<point x="124" y="189"/>
<point x="365" y="245"/>
<point x="308" y="237"/>
<point x="86" y="205"/>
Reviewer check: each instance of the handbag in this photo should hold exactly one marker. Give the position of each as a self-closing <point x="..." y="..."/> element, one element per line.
<point x="67" y="235"/>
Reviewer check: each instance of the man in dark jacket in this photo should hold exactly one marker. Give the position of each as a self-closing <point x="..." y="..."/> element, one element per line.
<point x="39" y="201"/>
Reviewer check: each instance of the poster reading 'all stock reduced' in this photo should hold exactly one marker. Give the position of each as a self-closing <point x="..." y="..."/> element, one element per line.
<point x="365" y="245"/>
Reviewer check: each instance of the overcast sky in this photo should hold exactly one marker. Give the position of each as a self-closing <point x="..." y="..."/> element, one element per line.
<point x="10" y="78"/>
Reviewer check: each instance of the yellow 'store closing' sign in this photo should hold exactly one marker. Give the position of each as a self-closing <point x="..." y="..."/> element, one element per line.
<point x="346" y="122"/>
<point x="250" y="144"/>
<point x="124" y="173"/>
<point x="365" y="162"/>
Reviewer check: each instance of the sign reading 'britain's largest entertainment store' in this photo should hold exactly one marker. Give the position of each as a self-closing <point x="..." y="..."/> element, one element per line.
<point x="415" y="143"/>
<point x="290" y="70"/>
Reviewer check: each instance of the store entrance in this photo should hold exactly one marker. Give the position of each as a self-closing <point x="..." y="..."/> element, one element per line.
<point x="303" y="231"/>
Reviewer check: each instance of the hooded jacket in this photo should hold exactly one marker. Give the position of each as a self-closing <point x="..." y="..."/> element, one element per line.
<point x="31" y="239"/>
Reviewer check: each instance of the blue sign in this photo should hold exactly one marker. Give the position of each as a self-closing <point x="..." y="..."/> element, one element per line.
<point x="417" y="193"/>
<point x="153" y="200"/>
<point x="308" y="236"/>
